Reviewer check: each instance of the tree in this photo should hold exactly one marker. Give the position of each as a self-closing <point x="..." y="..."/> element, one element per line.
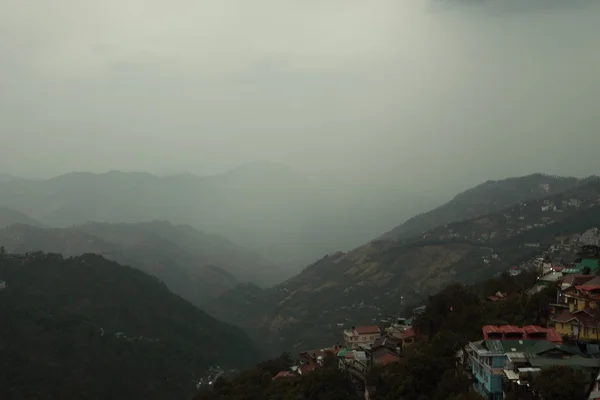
<point x="559" y="383"/>
<point x="453" y="383"/>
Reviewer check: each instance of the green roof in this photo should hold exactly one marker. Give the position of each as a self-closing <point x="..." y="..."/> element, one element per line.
<point x="420" y="310"/>
<point x="342" y="352"/>
<point x="408" y="321"/>
<point x="573" y="362"/>
<point x="542" y="346"/>
<point x="570" y="271"/>
<point x="507" y="346"/>
<point x="591" y="263"/>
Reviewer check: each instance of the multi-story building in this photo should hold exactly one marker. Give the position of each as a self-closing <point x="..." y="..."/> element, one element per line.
<point x="487" y="359"/>
<point x="361" y="335"/>
<point x="577" y="308"/>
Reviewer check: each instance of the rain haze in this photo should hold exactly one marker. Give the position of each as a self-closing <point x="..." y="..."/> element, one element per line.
<point x="418" y="93"/>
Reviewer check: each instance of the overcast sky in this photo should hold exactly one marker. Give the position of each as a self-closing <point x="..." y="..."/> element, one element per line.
<point x="384" y="89"/>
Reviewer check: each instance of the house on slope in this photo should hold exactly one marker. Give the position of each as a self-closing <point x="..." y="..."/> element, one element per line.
<point x="361" y="335"/>
<point x="577" y="310"/>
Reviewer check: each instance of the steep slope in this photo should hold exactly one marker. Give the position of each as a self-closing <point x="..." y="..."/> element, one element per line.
<point x="378" y="279"/>
<point x="183" y="258"/>
<point x="483" y="199"/>
<point x="267" y="207"/>
<point x="89" y="328"/>
<point x="9" y="216"/>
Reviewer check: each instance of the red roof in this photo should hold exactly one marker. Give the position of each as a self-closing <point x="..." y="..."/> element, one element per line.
<point x="532" y="332"/>
<point x="387" y="358"/>
<point x="511" y="329"/>
<point x="283" y="374"/>
<point x="365" y="330"/>
<point x="408" y="333"/>
<point x="307" y="368"/>
<point x="576" y="280"/>
<point x="491" y="329"/>
<point x="586" y="317"/>
<point x="564" y="316"/>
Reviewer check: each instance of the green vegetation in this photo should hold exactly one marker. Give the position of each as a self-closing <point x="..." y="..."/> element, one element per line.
<point x="429" y="370"/>
<point x="327" y="383"/>
<point x="88" y="328"/>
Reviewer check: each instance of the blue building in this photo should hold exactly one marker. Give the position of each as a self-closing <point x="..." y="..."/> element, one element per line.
<point x="487" y="359"/>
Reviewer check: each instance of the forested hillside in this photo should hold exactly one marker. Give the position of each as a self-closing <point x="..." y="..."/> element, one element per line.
<point x="88" y="328"/>
<point x="483" y="199"/>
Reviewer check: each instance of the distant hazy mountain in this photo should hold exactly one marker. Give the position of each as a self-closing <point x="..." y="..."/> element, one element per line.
<point x="268" y="207"/>
<point x="86" y="327"/>
<point x="483" y="199"/>
<point x="517" y="6"/>
<point x="9" y="216"/>
<point x="194" y="265"/>
<point x="7" y="178"/>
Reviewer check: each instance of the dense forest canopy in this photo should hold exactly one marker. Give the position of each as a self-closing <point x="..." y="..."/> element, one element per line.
<point x="88" y="328"/>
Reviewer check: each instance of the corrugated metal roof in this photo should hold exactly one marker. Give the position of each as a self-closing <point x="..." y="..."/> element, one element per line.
<point x="574" y="362"/>
<point x="508" y="346"/>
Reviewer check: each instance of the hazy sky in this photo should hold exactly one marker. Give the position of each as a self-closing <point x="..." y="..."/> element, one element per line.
<point x="388" y="89"/>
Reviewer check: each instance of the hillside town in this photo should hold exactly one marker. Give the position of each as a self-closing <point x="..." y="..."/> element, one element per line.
<point x="506" y="358"/>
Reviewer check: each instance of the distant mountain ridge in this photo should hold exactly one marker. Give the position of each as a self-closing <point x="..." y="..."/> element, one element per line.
<point x="267" y="207"/>
<point x="9" y="216"/>
<point x="485" y="198"/>
<point x="86" y="327"/>
<point x="194" y="265"/>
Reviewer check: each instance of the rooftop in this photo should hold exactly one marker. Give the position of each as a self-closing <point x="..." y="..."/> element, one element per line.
<point x="366" y="330"/>
<point x="408" y="333"/>
<point x="387" y="358"/>
<point x="575" y="362"/>
<point x="501" y="347"/>
<point x="532" y="332"/>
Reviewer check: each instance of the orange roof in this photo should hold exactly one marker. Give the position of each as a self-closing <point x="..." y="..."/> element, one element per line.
<point x="365" y="330"/>
<point x="491" y="329"/>
<point x="511" y="329"/>
<point x="283" y="374"/>
<point x="530" y="332"/>
<point x="529" y="329"/>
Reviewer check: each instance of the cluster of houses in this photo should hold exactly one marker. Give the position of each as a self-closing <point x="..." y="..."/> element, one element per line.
<point x="362" y="348"/>
<point x="508" y="358"/>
